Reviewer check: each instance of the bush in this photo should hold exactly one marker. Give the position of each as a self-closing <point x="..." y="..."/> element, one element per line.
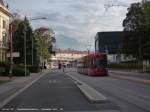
<point x="31" y="68"/>
<point x="20" y="72"/>
<point x="4" y="68"/>
<point x="17" y="71"/>
<point x="124" y="66"/>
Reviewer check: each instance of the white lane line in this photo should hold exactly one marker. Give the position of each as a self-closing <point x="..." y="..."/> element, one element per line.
<point x="27" y="109"/>
<point x="32" y="109"/>
<point x="7" y="109"/>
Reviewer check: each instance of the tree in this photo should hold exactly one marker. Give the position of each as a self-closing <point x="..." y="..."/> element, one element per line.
<point x="23" y="31"/>
<point x="29" y="41"/>
<point x="134" y="30"/>
<point x="44" y="38"/>
<point x="146" y="7"/>
<point x="18" y="42"/>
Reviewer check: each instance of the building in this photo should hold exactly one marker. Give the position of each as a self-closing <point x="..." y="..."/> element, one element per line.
<point x="66" y="57"/>
<point x="111" y="43"/>
<point x="4" y="29"/>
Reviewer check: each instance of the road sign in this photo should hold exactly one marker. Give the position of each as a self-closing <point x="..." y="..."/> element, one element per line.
<point x="14" y="54"/>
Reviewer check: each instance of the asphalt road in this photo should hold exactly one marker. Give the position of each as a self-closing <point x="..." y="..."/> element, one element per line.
<point x="54" y="92"/>
<point x="128" y="96"/>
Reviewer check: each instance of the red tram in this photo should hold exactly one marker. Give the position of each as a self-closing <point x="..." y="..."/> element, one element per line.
<point x="93" y="64"/>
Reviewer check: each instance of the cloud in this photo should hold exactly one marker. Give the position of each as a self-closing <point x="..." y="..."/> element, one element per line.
<point x="75" y="22"/>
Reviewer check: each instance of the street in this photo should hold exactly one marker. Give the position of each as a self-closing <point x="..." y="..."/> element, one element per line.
<point x="75" y="56"/>
<point x="55" y="92"/>
<point x="127" y="95"/>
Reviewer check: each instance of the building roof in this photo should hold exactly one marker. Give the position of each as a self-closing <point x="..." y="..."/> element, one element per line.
<point x="2" y="2"/>
<point x="70" y="51"/>
<point x="110" y="41"/>
<point x="5" y="9"/>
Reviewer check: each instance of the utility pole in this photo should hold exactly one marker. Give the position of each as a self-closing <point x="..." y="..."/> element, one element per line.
<point x="11" y="50"/>
<point x="32" y="50"/>
<point x="25" y="56"/>
<point x="140" y="50"/>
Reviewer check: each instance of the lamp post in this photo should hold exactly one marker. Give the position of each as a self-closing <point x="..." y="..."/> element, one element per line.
<point x="25" y="45"/>
<point x="25" y="52"/>
<point x="89" y="47"/>
<point x="11" y="50"/>
<point x="34" y="19"/>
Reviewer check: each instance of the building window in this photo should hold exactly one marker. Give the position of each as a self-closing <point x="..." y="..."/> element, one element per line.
<point x="97" y="46"/>
<point x="4" y="24"/>
<point x="4" y="40"/>
<point x="3" y="55"/>
<point x="0" y="55"/>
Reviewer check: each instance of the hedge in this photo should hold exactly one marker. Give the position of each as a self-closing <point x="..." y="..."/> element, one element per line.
<point x="4" y="67"/>
<point x="31" y="68"/>
<point x="17" y="71"/>
<point x="20" y="72"/>
<point x="125" y="66"/>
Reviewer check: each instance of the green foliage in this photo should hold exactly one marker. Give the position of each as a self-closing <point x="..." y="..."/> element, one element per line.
<point x="43" y="48"/>
<point x="17" y="71"/>
<point x="4" y="68"/>
<point x="31" y="68"/>
<point x="20" y="72"/>
<point x="43" y="42"/>
<point x="127" y="66"/>
<point x="18" y="42"/>
<point x="23" y="31"/>
<point x="137" y="29"/>
<point x="146" y="9"/>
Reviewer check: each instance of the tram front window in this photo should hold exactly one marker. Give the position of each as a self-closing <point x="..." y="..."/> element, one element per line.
<point x="101" y="63"/>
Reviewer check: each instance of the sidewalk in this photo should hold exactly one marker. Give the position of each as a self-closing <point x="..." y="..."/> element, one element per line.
<point x="143" y="78"/>
<point x="131" y="74"/>
<point x="16" y="84"/>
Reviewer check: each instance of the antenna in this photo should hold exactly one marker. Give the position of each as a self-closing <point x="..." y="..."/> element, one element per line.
<point x="116" y="3"/>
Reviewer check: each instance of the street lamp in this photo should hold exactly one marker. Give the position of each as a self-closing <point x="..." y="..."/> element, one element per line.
<point x="11" y="57"/>
<point x="89" y="47"/>
<point x="25" y="45"/>
<point x="34" y="19"/>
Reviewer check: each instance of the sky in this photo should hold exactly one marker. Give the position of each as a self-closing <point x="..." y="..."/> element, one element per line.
<point x="75" y="22"/>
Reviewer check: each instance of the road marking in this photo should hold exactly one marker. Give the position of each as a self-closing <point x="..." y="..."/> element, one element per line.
<point x="27" y="109"/>
<point x="54" y="81"/>
<point x="46" y="109"/>
<point x="32" y="109"/>
<point x="7" y="109"/>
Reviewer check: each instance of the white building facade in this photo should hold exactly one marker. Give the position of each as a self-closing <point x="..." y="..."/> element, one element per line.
<point x="66" y="57"/>
<point x="4" y="30"/>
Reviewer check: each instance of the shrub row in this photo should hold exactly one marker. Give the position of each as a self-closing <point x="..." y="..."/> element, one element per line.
<point x="124" y="66"/>
<point x="4" y="67"/>
<point x="31" y="68"/>
<point x="18" y="70"/>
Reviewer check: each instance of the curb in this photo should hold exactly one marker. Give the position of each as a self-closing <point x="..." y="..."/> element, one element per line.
<point x="142" y="81"/>
<point x="97" y="111"/>
<point x="3" y="103"/>
<point x="90" y="93"/>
